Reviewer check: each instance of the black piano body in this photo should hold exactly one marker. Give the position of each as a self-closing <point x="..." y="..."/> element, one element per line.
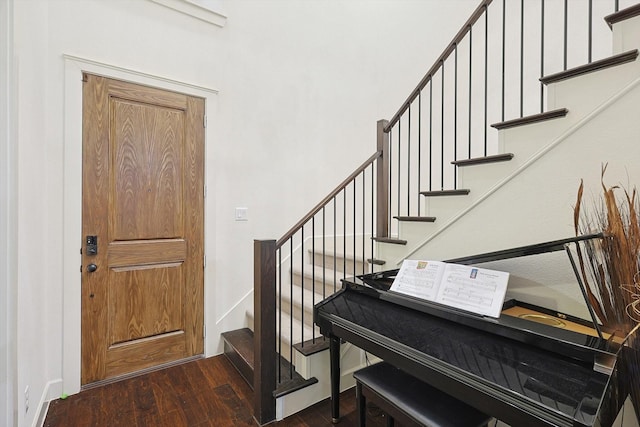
<point x="523" y="373"/>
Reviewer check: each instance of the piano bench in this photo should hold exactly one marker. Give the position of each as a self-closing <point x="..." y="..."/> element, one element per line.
<point x="412" y="402"/>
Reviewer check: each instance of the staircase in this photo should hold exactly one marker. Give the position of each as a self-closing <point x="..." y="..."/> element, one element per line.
<point x="396" y="205"/>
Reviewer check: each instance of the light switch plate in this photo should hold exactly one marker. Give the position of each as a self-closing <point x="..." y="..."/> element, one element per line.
<point x="242" y="214"/>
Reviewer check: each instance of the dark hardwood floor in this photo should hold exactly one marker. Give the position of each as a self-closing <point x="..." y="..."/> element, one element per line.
<point x="205" y="392"/>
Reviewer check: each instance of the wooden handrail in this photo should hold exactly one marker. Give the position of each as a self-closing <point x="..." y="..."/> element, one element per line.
<point x="327" y="199"/>
<point x="438" y="63"/>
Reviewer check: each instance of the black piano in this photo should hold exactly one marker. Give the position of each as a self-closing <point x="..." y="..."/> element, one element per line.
<point x="525" y="369"/>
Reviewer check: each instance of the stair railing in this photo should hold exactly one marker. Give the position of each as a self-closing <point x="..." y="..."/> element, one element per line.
<point x="331" y="242"/>
<point x="490" y="73"/>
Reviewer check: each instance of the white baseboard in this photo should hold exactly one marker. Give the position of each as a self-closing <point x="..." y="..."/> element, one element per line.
<point x="52" y="390"/>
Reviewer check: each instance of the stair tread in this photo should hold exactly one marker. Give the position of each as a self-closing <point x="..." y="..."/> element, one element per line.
<point x="622" y="15"/>
<point x="436" y="193"/>
<point x="611" y="61"/>
<point x="505" y="157"/>
<point x="416" y="218"/>
<point x="391" y="240"/>
<point x="534" y="118"/>
<point x="242" y="342"/>
<point x="310" y="347"/>
<point x="338" y="254"/>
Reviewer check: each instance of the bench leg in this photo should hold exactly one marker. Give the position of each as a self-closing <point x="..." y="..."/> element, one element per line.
<point x="361" y="405"/>
<point x="334" y="356"/>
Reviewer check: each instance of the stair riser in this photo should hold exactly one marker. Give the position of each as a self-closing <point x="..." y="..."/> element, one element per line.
<point x="408" y="229"/>
<point x="298" y="312"/>
<point x="337" y="262"/>
<point x="529" y="139"/>
<point x="626" y="35"/>
<point x="602" y="84"/>
<point x="483" y="177"/>
<point x="444" y="208"/>
<point x="330" y="286"/>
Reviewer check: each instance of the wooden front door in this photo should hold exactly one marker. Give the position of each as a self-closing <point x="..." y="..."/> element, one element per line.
<point x="142" y="195"/>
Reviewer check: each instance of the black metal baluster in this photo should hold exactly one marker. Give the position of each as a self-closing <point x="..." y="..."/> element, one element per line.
<point x="389" y="215"/>
<point x="335" y="245"/>
<point x="442" y="127"/>
<point x="313" y="274"/>
<point x="470" y="81"/>
<point x="455" y="111"/>
<point x="290" y="307"/>
<point x="590" y="29"/>
<point x="344" y="235"/>
<point x="521" y="58"/>
<point x="279" y="312"/>
<point x="486" y="71"/>
<point x="542" y="55"/>
<point x="430" y="131"/>
<point x="409" y="161"/>
<point x="566" y="25"/>
<point x="504" y="48"/>
<point x="301" y="291"/>
<point x="617" y="6"/>
<point x="399" y="163"/>
<point x="419" y="145"/>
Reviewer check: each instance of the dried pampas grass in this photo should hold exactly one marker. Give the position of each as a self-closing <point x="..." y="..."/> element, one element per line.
<point x="610" y="266"/>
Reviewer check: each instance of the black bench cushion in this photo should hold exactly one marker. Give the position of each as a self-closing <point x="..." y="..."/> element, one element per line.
<point x="420" y="401"/>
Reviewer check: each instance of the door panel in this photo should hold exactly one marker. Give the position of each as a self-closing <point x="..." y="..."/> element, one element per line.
<point x="147" y="146"/>
<point x="143" y="180"/>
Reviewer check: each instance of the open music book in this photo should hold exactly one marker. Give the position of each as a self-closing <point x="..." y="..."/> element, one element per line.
<point x="473" y="289"/>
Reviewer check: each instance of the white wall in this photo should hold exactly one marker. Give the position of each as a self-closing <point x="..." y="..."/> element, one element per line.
<point x="301" y="85"/>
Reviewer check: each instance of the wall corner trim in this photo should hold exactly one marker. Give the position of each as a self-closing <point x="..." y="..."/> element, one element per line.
<point x="198" y="9"/>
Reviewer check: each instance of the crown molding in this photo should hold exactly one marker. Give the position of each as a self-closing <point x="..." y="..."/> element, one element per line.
<point x="200" y="9"/>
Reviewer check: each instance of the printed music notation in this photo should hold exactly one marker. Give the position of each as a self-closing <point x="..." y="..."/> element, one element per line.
<point x="478" y="290"/>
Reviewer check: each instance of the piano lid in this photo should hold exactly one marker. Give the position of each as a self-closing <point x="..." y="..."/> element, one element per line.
<point x="549" y="311"/>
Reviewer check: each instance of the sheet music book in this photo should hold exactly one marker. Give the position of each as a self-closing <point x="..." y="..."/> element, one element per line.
<point x="478" y="290"/>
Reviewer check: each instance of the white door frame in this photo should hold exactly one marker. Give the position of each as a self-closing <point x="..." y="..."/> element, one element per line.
<point x="8" y="220"/>
<point x="74" y="67"/>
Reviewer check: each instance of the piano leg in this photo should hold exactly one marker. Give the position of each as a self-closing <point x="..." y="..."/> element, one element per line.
<point x="334" y="355"/>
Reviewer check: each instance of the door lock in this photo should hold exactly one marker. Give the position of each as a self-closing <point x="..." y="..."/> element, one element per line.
<point x="91" y="268"/>
<point x="92" y="245"/>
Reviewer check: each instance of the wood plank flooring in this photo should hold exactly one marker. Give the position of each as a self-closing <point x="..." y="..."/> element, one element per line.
<point x="205" y="392"/>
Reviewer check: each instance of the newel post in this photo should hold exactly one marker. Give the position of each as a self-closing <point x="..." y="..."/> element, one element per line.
<point x="264" y="330"/>
<point x="382" y="179"/>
